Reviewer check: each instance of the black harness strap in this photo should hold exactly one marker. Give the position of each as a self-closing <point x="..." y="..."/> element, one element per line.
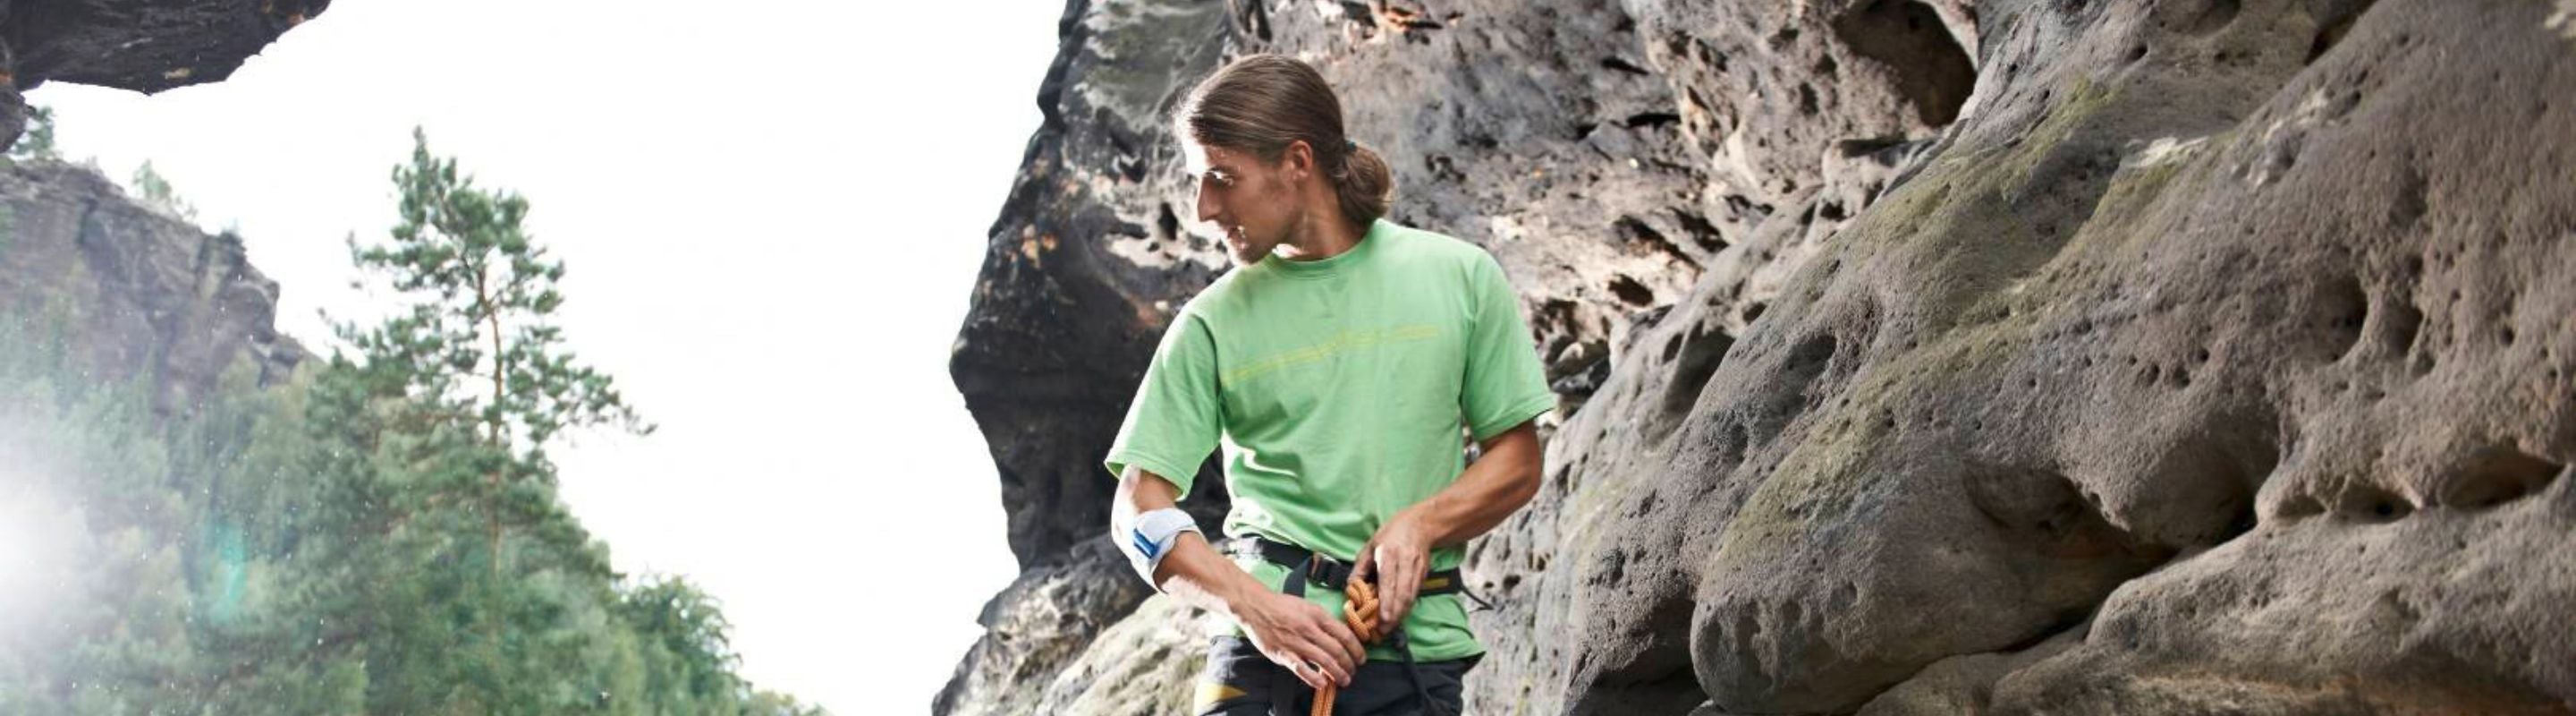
<point x="1336" y="575"/>
<point x="1332" y="573"/>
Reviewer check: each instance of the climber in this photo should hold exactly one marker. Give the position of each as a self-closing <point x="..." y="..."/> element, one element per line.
<point x="1337" y="364"/>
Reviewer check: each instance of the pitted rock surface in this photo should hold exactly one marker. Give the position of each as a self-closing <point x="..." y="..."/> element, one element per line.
<point x="2199" y="356"/>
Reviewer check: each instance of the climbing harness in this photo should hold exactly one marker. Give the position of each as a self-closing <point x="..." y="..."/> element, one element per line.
<point x="1360" y="609"/>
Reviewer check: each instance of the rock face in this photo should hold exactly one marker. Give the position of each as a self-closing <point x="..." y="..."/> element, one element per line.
<point x="132" y="292"/>
<point x="141" y="46"/>
<point x="1918" y="357"/>
<point x="1088" y="260"/>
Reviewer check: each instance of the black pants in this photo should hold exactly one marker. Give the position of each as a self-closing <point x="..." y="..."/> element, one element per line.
<point x="1239" y="681"/>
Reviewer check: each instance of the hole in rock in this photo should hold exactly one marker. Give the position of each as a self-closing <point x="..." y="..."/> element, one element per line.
<point x="2334" y="27"/>
<point x="1700" y="356"/>
<point x="1652" y="119"/>
<point x="2213" y="16"/>
<point x="2403" y="323"/>
<point x="2498" y="475"/>
<point x="2301" y="506"/>
<point x="2372" y="504"/>
<point x="1167" y="225"/>
<point x="1631" y="292"/>
<point x="1932" y="72"/>
<point x="2342" y="309"/>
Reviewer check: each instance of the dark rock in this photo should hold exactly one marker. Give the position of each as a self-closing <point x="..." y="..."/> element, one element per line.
<point x="1087" y="263"/>
<point x="142" y="46"/>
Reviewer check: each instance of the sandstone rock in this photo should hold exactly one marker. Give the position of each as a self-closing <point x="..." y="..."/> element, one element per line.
<point x="1532" y="129"/>
<point x="1765" y="88"/>
<point x="2167" y="289"/>
<point x="1132" y="668"/>
<point x="1039" y="626"/>
<point x="2200" y="356"/>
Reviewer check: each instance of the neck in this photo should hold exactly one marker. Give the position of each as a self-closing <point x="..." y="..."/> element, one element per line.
<point x="1321" y="234"/>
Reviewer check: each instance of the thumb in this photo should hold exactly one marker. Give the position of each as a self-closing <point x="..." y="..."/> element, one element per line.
<point x="1367" y="562"/>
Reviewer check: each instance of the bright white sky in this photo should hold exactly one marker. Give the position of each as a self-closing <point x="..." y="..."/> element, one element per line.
<point x="772" y="215"/>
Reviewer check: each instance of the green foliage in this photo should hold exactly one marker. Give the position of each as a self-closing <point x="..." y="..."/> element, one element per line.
<point x="158" y="194"/>
<point x="379" y="535"/>
<point x="482" y="298"/>
<point x="37" y="142"/>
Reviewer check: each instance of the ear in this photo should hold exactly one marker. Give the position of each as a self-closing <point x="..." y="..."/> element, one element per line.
<point x="1298" y="159"/>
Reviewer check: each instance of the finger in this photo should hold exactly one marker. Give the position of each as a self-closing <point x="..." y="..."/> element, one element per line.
<point x="1328" y="666"/>
<point x="1395" y="593"/>
<point x="1308" y="671"/>
<point x="1352" y="649"/>
<point x="1302" y="659"/>
<point x="1368" y="561"/>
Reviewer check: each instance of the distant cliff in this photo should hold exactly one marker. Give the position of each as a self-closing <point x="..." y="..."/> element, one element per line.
<point x="1919" y="357"/>
<point x="134" y="293"/>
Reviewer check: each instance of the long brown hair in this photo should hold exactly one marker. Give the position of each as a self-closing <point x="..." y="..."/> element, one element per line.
<point x="1261" y="103"/>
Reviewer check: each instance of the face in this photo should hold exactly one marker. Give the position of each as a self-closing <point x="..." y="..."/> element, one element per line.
<point x="1254" y="203"/>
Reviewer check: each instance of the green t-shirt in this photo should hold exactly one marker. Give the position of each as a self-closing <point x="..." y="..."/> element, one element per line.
<point x="1338" y="388"/>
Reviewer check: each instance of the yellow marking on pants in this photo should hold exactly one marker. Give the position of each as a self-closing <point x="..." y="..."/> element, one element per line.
<point x="1211" y="692"/>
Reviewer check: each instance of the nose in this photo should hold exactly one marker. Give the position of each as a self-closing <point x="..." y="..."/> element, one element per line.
<point x="1207" y="206"/>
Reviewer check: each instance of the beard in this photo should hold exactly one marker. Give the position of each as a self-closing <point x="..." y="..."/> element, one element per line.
<point x="1244" y="249"/>
<point x="1249" y="245"/>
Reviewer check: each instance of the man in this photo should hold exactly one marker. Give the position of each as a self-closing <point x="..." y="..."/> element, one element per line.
<point x="1337" y="366"/>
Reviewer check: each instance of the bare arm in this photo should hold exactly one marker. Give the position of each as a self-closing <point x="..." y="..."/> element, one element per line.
<point x="1503" y="479"/>
<point x="1289" y="630"/>
<point x="1500" y="482"/>
<point x="1194" y="572"/>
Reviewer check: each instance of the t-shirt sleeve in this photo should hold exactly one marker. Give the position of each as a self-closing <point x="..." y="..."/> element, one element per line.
<point x="1505" y="384"/>
<point x="1173" y="423"/>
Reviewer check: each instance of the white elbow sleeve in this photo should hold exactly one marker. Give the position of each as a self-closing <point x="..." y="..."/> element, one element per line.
<point x="1150" y="536"/>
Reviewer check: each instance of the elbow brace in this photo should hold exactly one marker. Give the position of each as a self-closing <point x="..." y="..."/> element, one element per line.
<point x="1149" y="537"/>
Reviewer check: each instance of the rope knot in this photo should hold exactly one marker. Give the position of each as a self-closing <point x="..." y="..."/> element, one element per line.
<point x="1359" y="610"/>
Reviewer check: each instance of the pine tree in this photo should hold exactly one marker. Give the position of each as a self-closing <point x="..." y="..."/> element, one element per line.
<point x="477" y="350"/>
<point x="156" y="189"/>
<point x="378" y="534"/>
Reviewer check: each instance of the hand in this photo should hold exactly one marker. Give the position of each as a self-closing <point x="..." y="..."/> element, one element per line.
<point x="1297" y="634"/>
<point x="1398" y="556"/>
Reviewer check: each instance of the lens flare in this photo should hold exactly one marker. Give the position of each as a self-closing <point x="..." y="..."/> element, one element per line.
<point x="35" y="530"/>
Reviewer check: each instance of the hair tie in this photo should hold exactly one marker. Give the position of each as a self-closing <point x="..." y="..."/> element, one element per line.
<point x="1350" y="146"/>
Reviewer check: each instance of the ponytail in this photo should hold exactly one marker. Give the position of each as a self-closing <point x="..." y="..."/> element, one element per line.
<point x="1363" y="184"/>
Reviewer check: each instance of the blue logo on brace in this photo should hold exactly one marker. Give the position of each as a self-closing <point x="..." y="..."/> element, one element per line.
<point x="1147" y="546"/>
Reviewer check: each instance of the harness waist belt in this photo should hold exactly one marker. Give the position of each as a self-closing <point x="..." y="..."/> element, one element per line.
<point x="1332" y="573"/>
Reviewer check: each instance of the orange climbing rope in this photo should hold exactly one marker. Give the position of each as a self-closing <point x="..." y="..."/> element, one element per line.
<point x="1360" y="611"/>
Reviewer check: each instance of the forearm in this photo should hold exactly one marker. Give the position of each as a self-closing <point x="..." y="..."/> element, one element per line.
<point x="1503" y="479"/>
<point x="1194" y="572"/>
